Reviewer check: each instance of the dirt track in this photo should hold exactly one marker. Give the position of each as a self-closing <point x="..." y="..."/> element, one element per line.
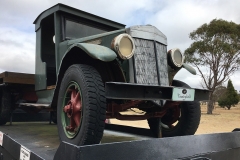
<point x="222" y="120"/>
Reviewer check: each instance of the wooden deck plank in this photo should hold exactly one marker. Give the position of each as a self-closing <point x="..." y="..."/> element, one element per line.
<point x="51" y="87"/>
<point x="17" y="78"/>
<point x="2" y="75"/>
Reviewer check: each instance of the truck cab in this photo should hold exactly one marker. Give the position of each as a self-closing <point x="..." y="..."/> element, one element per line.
<point x="55" y="28"/>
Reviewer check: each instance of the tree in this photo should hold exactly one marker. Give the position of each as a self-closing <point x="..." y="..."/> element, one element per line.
<point x="231" y="97"/>
<point x="219" y="93"/>
<point x="216" y="48"/>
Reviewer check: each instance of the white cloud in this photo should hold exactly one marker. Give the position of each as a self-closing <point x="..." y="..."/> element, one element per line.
<point x="179" y="18"/>
<point x="17" y="50"/>
<point x="176" y="19"/>
<point x="192" y="80"/>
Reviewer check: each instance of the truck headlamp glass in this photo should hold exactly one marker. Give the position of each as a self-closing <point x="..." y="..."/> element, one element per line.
<point x="123" y="44"/>
<point x="175" y="58"/>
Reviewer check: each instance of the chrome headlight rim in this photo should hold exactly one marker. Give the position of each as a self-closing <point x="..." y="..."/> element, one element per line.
<point x="116" y="46"/>
<point x="174" y="62"/>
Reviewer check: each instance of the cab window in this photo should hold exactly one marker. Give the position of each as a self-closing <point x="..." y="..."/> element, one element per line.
<point x="75" y="30"/>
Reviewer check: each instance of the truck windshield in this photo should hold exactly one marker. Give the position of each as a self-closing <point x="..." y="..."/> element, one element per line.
<point x="75" y="30"/>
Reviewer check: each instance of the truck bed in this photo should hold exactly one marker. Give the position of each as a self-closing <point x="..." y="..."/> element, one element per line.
<point x="42" y="141"/>
<point x="42" y="137"/>
<point x="16" y="78"/>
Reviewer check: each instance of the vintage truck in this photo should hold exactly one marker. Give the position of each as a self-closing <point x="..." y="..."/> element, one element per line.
<point x="89" y="69"/>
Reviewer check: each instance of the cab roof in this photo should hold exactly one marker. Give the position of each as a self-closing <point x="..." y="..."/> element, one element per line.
<point x="75" y="12"/>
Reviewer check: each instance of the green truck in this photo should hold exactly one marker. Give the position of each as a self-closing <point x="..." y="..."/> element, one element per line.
<point x="89" y="69"/>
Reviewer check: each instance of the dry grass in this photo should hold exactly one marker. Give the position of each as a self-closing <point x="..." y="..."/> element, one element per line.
<point x="222" y="120"/>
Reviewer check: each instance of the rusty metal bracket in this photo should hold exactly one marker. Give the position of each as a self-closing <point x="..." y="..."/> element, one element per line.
<point x="114" y="107"/>
<point x="120" y="116"/>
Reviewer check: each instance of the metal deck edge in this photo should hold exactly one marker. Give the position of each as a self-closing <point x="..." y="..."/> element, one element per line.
<point x="159" y="148"/>
<point x="13" y="149"/>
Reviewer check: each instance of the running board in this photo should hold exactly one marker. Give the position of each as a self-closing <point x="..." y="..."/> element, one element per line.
<point x="35" y="105"/>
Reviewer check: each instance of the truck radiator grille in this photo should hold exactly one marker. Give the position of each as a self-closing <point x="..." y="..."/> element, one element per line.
<point x="150" y="63"/>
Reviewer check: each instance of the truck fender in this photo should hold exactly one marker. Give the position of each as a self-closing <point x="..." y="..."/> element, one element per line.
<point x="96" y="51"/>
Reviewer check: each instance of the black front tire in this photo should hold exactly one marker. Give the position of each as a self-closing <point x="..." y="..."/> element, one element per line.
<point x="93" y="111"/>
<point x="188" y="122"/>
<point x="5" y="106"/>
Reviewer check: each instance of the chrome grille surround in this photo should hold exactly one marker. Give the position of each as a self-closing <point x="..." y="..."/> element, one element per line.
<point x="150" y="57"/>
<point x="149" y="62"/>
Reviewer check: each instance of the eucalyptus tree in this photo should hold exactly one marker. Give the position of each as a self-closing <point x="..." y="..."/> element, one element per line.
<point x="215" y="53"/>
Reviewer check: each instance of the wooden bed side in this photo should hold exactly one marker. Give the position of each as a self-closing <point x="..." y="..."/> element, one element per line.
<point x="17" y="78"/>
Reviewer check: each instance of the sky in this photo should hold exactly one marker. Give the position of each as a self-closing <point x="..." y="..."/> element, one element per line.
<point x="174" y="18"/>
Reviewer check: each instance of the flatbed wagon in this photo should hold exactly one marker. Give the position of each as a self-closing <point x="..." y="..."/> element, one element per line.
<point x="17" y="91"/>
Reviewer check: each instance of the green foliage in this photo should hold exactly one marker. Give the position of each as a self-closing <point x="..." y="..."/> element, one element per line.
<point x="216" y="46"/>
<point x="218" y="37"/>
<point x="231" y="97"/>
<point x="216" y="49"/>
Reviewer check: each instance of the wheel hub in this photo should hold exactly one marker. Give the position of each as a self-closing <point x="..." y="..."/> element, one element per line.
<point x="73" y="110"/>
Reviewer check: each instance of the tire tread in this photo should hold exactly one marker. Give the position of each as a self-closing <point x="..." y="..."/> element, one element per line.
<point x="96" y="104"/>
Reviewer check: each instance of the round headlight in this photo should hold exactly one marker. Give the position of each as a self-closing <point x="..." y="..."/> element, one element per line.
<point x="175" y="58"/>
<point x="123" y="44"/>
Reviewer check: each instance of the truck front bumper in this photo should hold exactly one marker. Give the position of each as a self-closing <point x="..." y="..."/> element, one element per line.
<point x="131" y="91"/>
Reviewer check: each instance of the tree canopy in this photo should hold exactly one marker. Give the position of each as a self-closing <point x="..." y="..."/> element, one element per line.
<point x="215" y="53"/>
<point x="230" y="98"/>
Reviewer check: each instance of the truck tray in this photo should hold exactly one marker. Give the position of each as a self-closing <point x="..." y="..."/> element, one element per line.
<point x="199" y="147"/>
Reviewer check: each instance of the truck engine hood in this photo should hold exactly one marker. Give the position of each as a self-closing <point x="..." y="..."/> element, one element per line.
<point x="148" y="32"/>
